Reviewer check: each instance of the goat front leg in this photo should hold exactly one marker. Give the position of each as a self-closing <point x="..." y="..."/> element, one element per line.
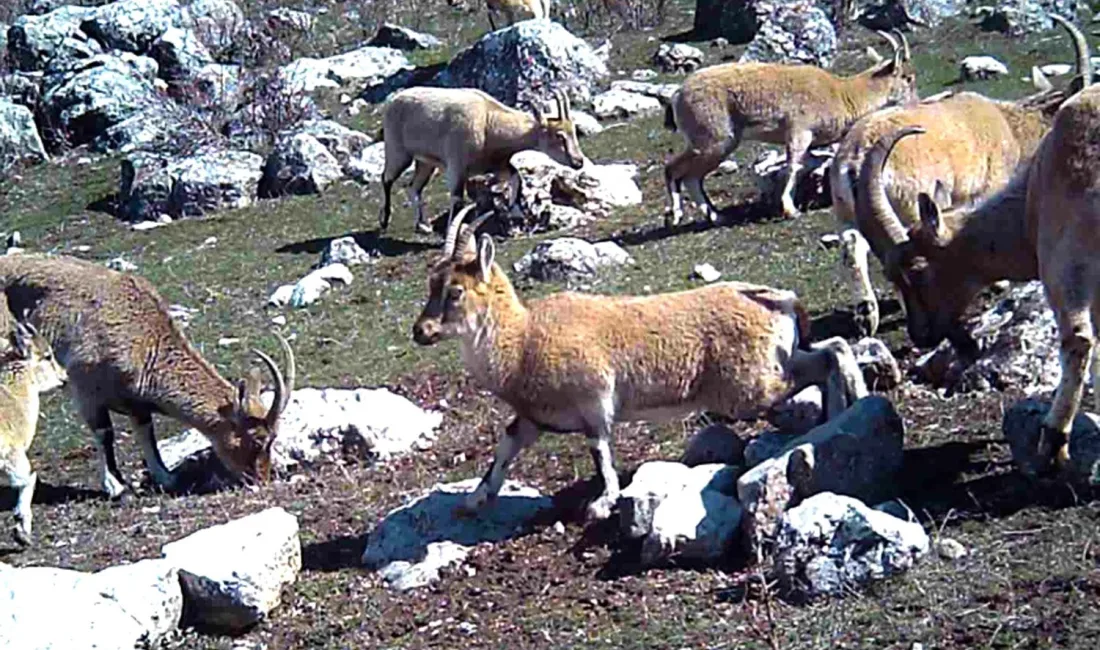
<point x="422" y="173"/>
<point x="143" y="429"/>
<point x="99" y="420"/>
<point x="798" y="143"/>
<point x="854" y="255"/>
<point x="519" y="435"/>
<point x="23" y="480"/>
<point x="599" y="445"/>
<point x="1077" y="342"/>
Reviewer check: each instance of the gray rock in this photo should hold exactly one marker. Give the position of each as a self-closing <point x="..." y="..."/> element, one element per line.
<point x="347" y="145"/>
<point x="858" y="453"/>
<point x="678" y="57"/>
<point x="120" y="607"/>
<point x="23" y="88"/>
<point x="1022" y="427"/>
<point x="799" y="414"/>
<point x="145" y="187"/>
<point x="292" y="21"/>
<point x="586" y="124"/>
<point x="219" y="24"/>
<point x="403" y="541"/>
<point x="1018" y="17"/>
<point x="812" y="190"/>
<point x="715" y="443"/>
<point x="403" y="38"/>
<point x="1018" y="342"/>
<point x="232" y="574"/>
<point x="131" y="25"/>
<point x="214" y="181"/>
<point x="345" y="251"/>
<point x="522" y="63"/>
<point x="950" y="549"/>
<point x="651" y="484"/>
<point x="832" y="543"/>
<point x="349" y="72"/>
<point x="367" y="166"/>
<point x="792" y="31"/>
<point x="880" y="368"/>
<point x="974" y="68"/>
<point x="891" y="14"/>
<point x="570" y="258"/>
<point x="616" y="104"/>
<point x="180" y="54"/>
<point x="19" y="139"/>
<point x="33" y="40"/>
<point x="299" y="165"/>
<point x="765" y="445"/>
<point x="663" y="92"/>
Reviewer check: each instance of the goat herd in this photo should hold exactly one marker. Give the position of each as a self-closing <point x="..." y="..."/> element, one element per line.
<point x="950" y="193"/>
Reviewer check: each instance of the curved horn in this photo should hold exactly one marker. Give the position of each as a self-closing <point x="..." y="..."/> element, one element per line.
<point x="889" y="39"/>
<point x="563" y="103"/>
<point x="904" y="44"/>
<point x="453" y="228"/>
<point x="1080" y="47"/>
<point x="874" y="203"/>
<point x="283" y="387"/>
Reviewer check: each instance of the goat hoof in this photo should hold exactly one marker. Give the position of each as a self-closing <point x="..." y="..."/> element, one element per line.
<point x="22" y="537"/>
<point x="1049" y="453"/>
<point x="866" y="318"/>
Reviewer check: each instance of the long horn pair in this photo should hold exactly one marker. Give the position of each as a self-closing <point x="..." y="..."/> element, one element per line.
<point x="889" y="39"/>
<point x="452" y="230"/>
<point x="1080" y="48"/>
<point x="562" y="100"/>
<point x="872" y="201"/>
<point x="283" y="387"/>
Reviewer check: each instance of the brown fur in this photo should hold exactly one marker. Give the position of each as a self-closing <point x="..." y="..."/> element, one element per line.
<point x="123" y="353"/>
<point x="465" y="132"/>
<point x="794" y="105"/>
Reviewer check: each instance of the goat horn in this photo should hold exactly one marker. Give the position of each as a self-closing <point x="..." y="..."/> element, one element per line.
<point x="874" y="203"/>
<point x="1080" y="47"/>
<point x="283" y="387"/>
<point x="889" y="39"/>
<point x="453" y="228"/>
<point x="904" y="44"/>
<point x="911" y="17"/>
<point x="564" y="103"/>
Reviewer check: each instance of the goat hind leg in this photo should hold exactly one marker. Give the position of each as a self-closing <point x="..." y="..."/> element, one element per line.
<point x="854" y="256"/>
<point x="99" y="420"/>
<point x="23" y="480"/>
<point x="143" y="428"/>
<point x="519" y="435"/>
<point x="422" y="173"/>
<point x="798" y="143"/>
<point x="1077" y="342"/>
<point x="599" y="445"/>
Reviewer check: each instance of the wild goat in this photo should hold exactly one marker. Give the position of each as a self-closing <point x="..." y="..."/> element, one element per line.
<point x="123" y="353"/>
<point x="466" y="132"/>
<point x="516" y="10"/>
<point x="26" y="369"/>
<point x="798" y="106"/>
<point x="971" y="147"/>
<point x="1044" y="224"/>
<point x="577" y="362"/>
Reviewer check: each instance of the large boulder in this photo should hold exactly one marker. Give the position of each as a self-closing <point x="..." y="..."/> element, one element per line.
<point x="350" y="72"/>
<point x="832" y="543"/>
<point x="214" y="181"/>
<point x="348" y="146"/>
<point x="233" y="574"/>
<point x="858" y="453"/>
<point x="792" y="31"/>
<point x="35" y="40"/>
<point x="180" y="54"/>
<point x="522" y="63"/>
<point x="896" y="14"/>
<point x="1022" y="429"/>
<point x="1018" y="342"/>
<point x="415" y="541"/>
<point x="131" y="25"/>
<point x="1018" y="17"/>
<point x="570" y="258"/>
<point x="219" y="24"/>
<point x="19" y="139"/>
<point x="299" y="165"/>
<point x="118" y="608"/>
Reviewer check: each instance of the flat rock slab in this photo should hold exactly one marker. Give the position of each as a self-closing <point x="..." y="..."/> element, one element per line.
<point x="414" y="541"/>
<point x="117" y="608"/>
<point x="1021" y="427"/>
<point x="233" y="574"/>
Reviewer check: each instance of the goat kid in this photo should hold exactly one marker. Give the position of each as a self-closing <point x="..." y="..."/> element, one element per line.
<point x="123" y="353"/>
<point x="798" y="106"/>
<point x="577" y="362"/>
<point x="1044" y="224"/>
<point x="971" y="148"/>
<point x="26" y="369"/>
<point x="466" y="132"/>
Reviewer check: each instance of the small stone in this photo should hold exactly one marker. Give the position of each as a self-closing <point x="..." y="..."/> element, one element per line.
<point x="228" y="341"/>
<point x="981" y="67"/>
<point x="643" y="75"/>
<point x="345" y="250"/>
<point x="706" y="272"/>
<point x="121" y="265"/>
<point x="715" y="443"/>
<point x="278" y="320"/>
<point x="950" y="549"/>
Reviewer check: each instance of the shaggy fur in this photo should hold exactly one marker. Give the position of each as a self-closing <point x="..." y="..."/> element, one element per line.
<point x="577" y="362"/>
<point x="122" y="352"/>
<point x="466" y="132"/>
<point x="798" y="106"/>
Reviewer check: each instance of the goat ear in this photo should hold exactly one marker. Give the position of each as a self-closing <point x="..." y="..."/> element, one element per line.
<point x="486" y="251"/>
<point x="1040" y="80"/>
<point x="929" y="214"/>
<point x="873" y="54"/>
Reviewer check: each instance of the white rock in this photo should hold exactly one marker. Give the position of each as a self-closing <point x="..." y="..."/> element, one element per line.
<point x="812" y="191"/>
<point x="117" y="608"/>
<point x="1056" y="69"/>
<point x="232" y="574"/>
<point x="830" y="543"/>
<point x="350" y="71"/>
<point x="981" y="67"/>
<point x="615" y="104"/>
<point x="587" y="125"/>
<point x="278" y="320"/>
<point x="706" y="272"/>
<point x="368" y="165"/>
<point x="119" y="264"/>
<point x="694" y="524"/>
<point x="570" y="257"/>
<point x="406" y="548"/>
<point x="663" y="92"/>
<point x="644" y="74"/>
<point x="799" y="414"/>
<point x="652" y="483"/>
<point x="346" y="251"/>
<point x="281" y="296"/>
<point x="678" y="57"/>
<point x="950" y="549"/>
<point x="309" y="289"/>
<point x="227" y="341"/>
<point x="880" y="368"/>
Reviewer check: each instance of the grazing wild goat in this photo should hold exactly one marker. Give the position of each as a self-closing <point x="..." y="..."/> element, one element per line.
<point x="1044" y="224"/>
<point x="798" y="106"/>
<point x="972" y="146"/>
<point x="26" y="369"/>
<point x="466" y="132"/>
<point x="112" y="333"/>
<point x="577" y="362"/>
<point x="517" y="10"/>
